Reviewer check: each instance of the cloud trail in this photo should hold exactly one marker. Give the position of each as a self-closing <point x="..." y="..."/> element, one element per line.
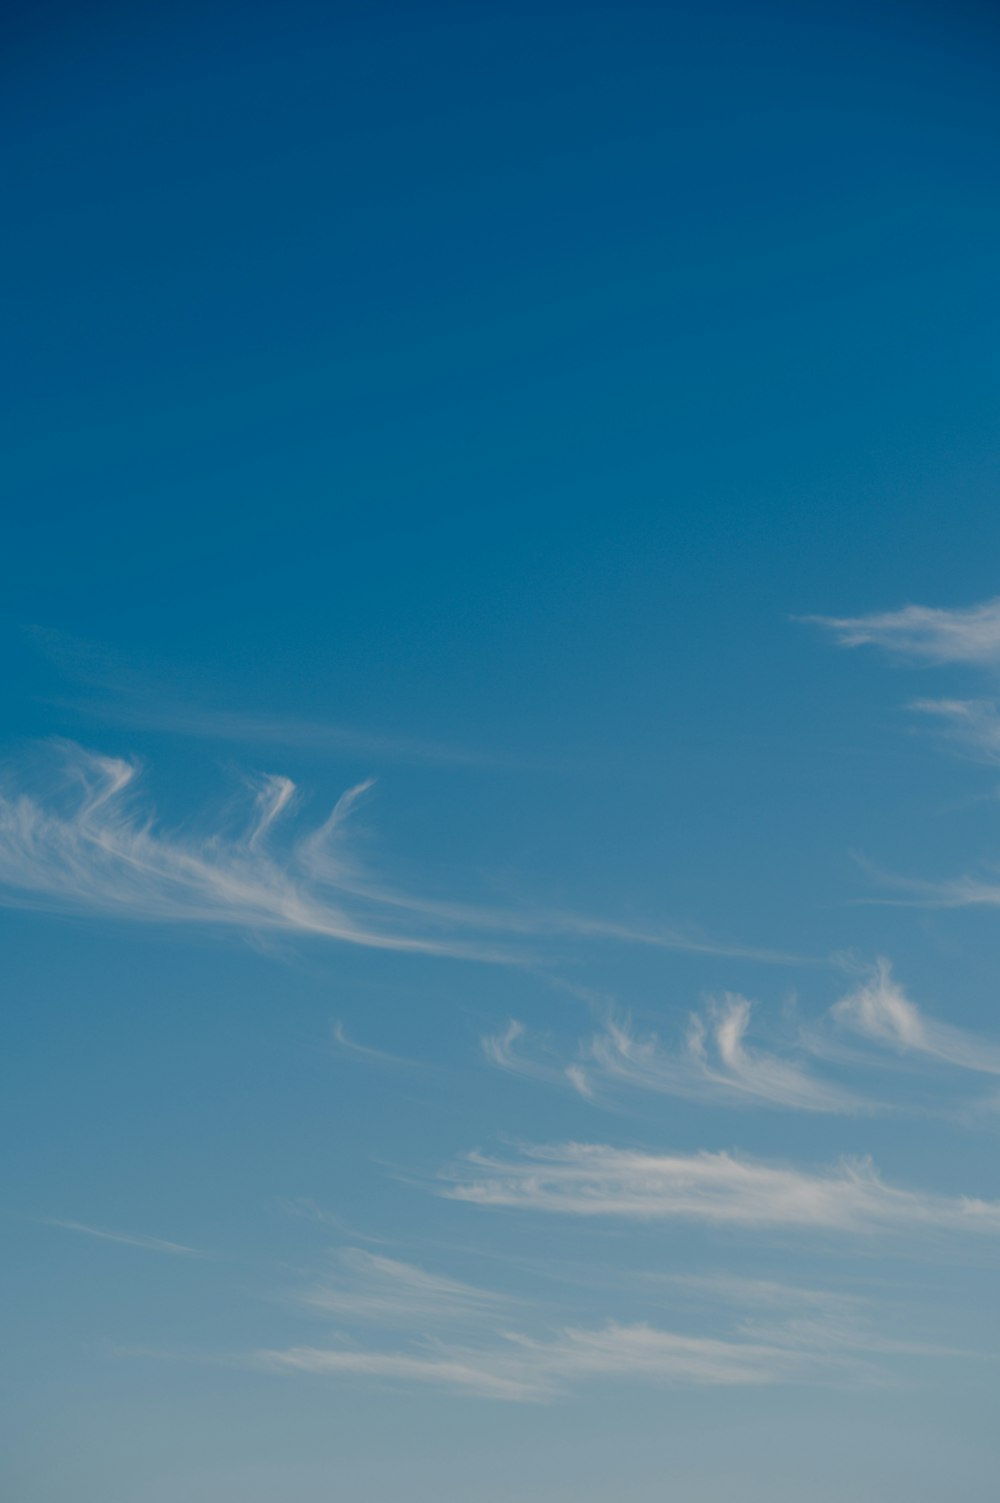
<point x="87" y="846"/>
<point x="880" y="1010"/>
<point x="365" y="1051"/>
<point x="973" y="723"/>
<point x="924" y="633"/>
<point x="714" y="1064"/>
<point x="525" y="1369"/>
<point x="369" y="1287"/>
<point x="129" y="1239"/>
<point x="596" y="1180"/>
<point x="501" y="1050"/>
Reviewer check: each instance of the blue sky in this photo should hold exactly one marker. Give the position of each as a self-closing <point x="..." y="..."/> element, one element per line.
<point x="498" y="804"/>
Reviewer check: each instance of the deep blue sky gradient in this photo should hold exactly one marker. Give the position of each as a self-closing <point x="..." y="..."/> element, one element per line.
<point x="473" y="398"/>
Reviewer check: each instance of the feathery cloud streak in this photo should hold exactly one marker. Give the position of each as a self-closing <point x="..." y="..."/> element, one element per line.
<point x="529" y="1370"/>
<point x="924" y="633"/>
<point x="717" y="1064"/>
<point x="339" y="1035"/>
<point x="794" y="1334"/>
<point x="501" y="1050"/>
<point x="372" y="1288"/>
<point x="86" y="846"/>
<point x="92" y="850"/>
<point x="968" y="636"/>
<point x="973" y="723"/>
<point x="593" y="1179"/>
<point x="714" y="1064"/>
<point x="128" y="1239"/>
<point x="880" y="1010"/>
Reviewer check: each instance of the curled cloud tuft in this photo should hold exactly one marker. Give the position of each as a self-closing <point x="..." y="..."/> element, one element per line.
<point x="348" y="1045"/>
<point x="879" y="1009"/>
<point x="588" y="1179"/>
<point x="714" y="1064"/>
<point x="501" y="1050"/>
<point x="87" y="846"/>
<point x="717" y="1064"/>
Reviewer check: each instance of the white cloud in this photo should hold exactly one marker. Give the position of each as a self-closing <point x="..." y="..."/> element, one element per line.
<point x="716" y="1063"/>
<point x="713" y="1064"/>
<point x="87" y="846"/>
<point x="580" y="1081"/>
<point x="686" y="940"/>
<point x="365" y="1051"/>
<point x="880" y="1010"/>
<point x="129" y="1239"/>
<point x="795" y="1335"/>
<point x="470" y="1373"/>
<point x="974" y="723"/>
<point x="964" y="891"/>
<point x="757" y="1294"/>
<point x="930" y="635"/>
<point x="593" y="1179"/>
<point x="501" y="1050"/>
<point x="527" y="1369"/>
<point x="369" y="1287"/>
<point x="767" y="1333"/>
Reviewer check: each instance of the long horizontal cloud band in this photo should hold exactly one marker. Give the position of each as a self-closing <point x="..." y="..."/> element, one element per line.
<point x="87" y="846"/>
<point x="526" y="1369"/>
<point x="593" y="1179"/>
<point x="772" y="1333"/>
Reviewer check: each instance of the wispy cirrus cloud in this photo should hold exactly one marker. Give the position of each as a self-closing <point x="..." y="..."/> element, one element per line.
<point x="594" y="1179"/>
<point x="88" y="847"/>
<point x="798" y="1315"/>
<point x="927" y="634"/>
<point x="757" y="1294"/>
<point x="971" y="723"/>
<point x="85" y="844"/>
<point x="714" y="1063"/>
<point x="964" y="891"/>
<point x="347" y="1045"/>
<point x="880" y="1010"/>
<point x="369" y="1288"/>
<point x="772" y="1333"/>
<point x="525" y="1369"/>
<point x="128" y="1239"/>
<point x="502" y="1049"/>
<point x="967" y="636"/>
<point x="401" y="1324"/>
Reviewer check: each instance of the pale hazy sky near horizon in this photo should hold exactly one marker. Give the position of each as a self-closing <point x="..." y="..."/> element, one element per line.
<point x="500" y="779"/>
